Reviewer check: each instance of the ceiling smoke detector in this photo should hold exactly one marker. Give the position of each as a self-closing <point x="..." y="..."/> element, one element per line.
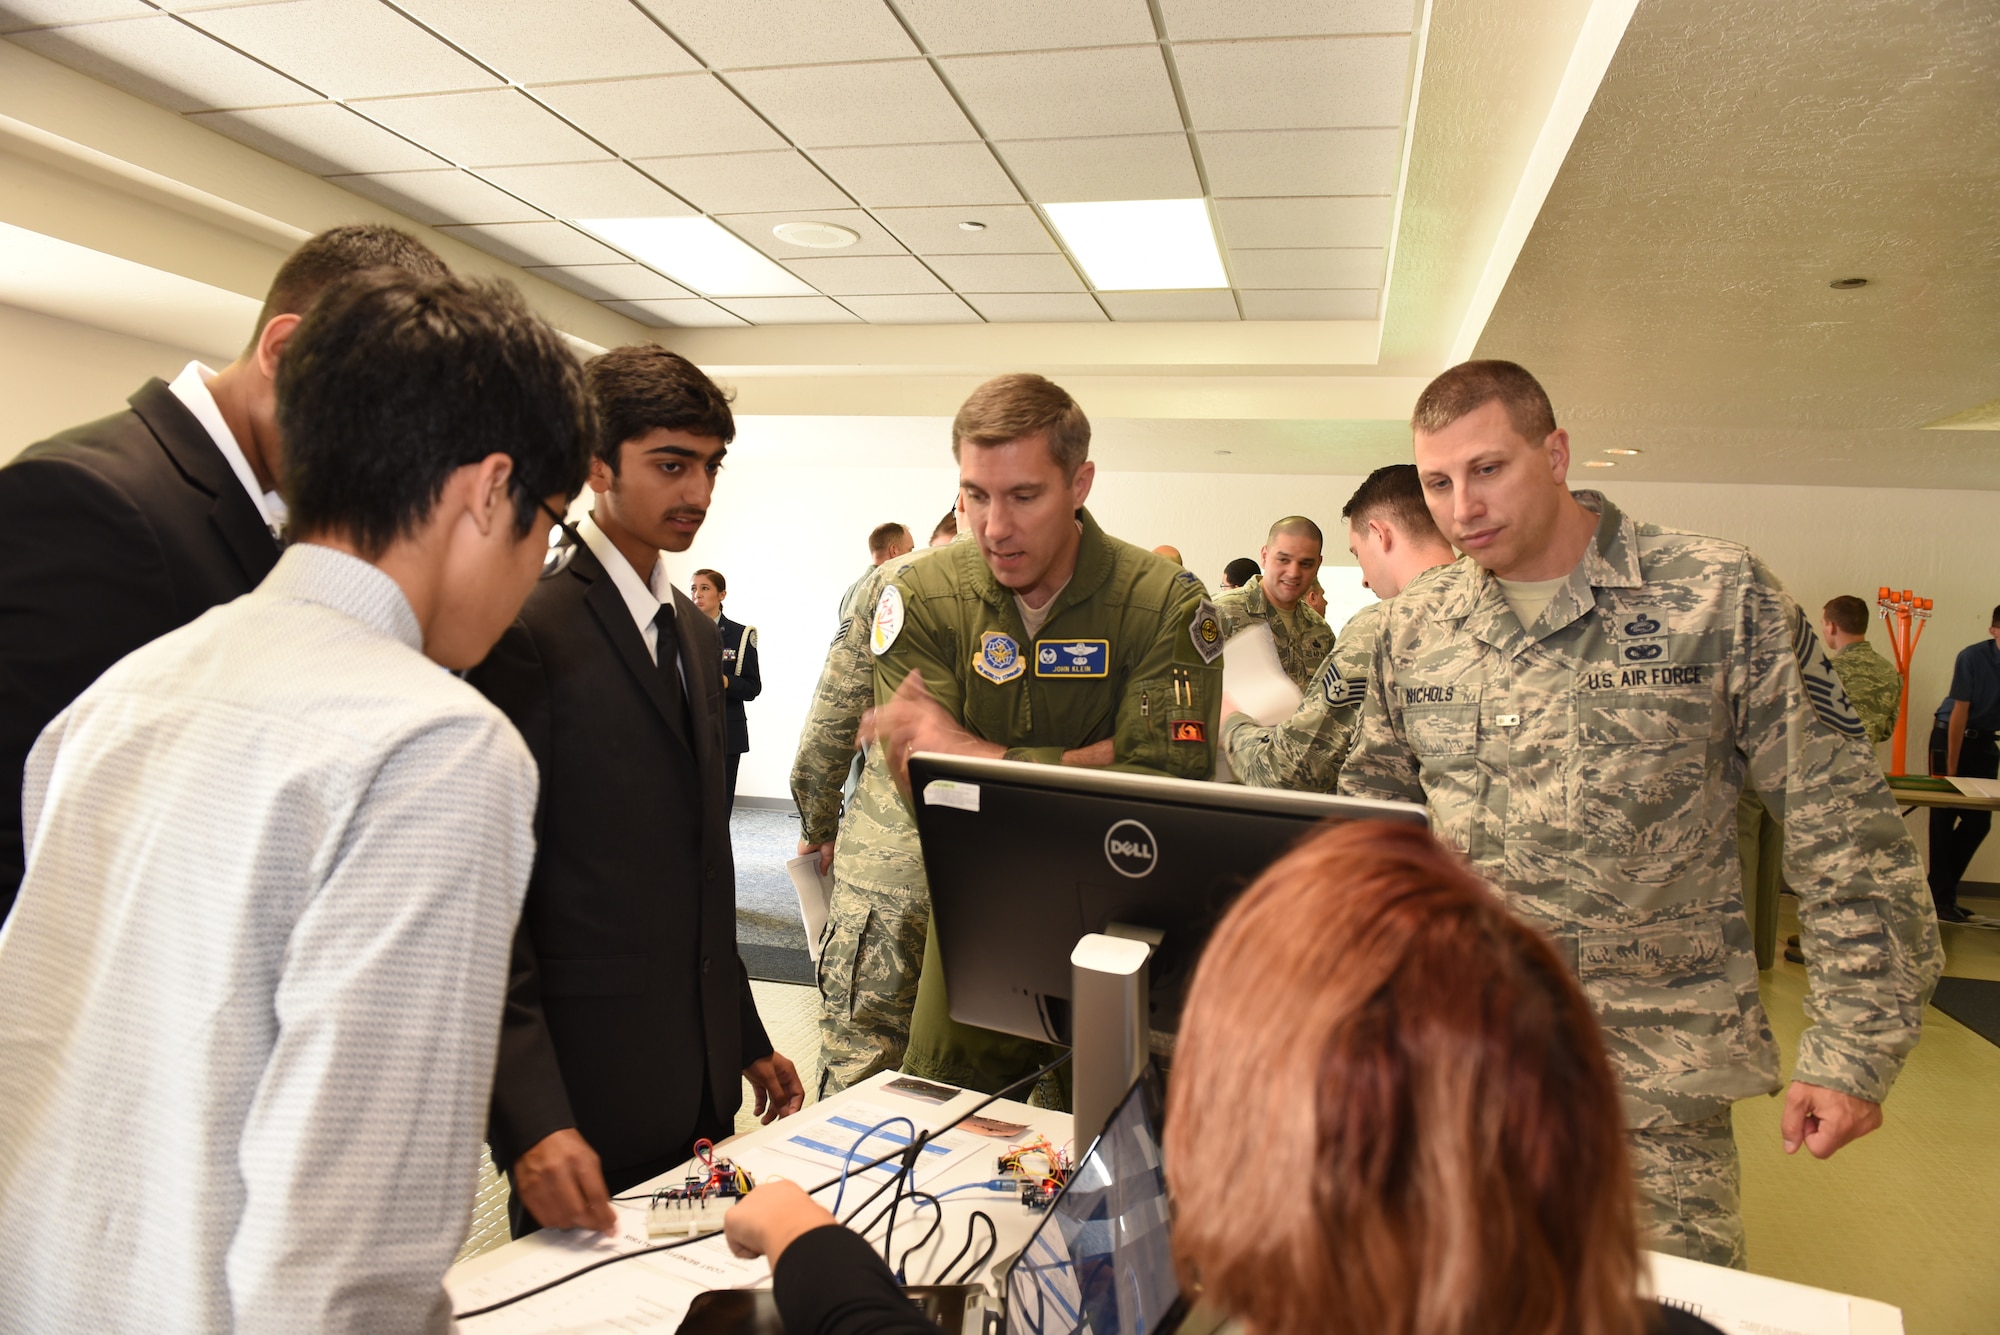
<point x="816" y="235"/>
<point x="1847" y="284"/>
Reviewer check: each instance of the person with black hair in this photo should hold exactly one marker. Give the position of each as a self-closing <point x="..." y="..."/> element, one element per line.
<point x="118" y="531"/>
<point x="1240" y="572"/>
<point x="254" y="980"/>
<point x="629" y="1016"/>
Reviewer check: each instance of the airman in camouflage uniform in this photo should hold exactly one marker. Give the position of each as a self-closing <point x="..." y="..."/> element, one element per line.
<point x="1589" y="765"/>
<point x="1302" y="635"/>
<point x="1873" y="685"/>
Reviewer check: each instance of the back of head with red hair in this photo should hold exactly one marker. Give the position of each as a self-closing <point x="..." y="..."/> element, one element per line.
<point x="1391" y="1113"/>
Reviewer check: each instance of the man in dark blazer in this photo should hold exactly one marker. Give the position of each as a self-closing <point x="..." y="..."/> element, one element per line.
<point x="118" y="531"/>
<point x="629" y="1015"/>
<point x="742" y="682"/>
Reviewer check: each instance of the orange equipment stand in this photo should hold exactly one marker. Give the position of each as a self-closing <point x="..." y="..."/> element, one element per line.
<point x="1904" y="614"/>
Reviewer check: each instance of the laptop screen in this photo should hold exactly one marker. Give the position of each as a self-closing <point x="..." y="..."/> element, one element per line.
<point x="1101" y="1261"/>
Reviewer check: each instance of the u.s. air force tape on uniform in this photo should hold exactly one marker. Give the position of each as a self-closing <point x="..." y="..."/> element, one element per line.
<point x="1823" y="688"/>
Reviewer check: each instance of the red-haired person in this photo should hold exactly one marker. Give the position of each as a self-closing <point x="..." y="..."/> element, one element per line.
<point x="1433" y="1143"/>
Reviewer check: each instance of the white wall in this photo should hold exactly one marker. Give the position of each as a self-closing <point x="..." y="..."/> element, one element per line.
<point x="789" y="531"/>
<point x="56" y="374"/>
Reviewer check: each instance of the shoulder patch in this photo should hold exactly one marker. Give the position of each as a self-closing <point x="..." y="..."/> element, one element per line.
<point x="750" y="636"/>
<point x="846" y="624"/>
<point x="1206" y="631"/>
<point x="888" y="622"/>
<point x="1338" y="691"/>
<point x="1187" y="577"/>
<point x="1823" y="688"/>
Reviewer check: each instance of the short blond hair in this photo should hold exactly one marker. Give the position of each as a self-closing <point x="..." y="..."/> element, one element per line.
<point x="1011" y="407"/>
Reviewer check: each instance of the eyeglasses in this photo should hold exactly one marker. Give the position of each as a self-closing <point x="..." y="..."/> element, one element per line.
<point x="562" y="550"/>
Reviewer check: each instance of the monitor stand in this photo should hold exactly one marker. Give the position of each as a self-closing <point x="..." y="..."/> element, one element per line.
<point x="1109" y="1020"/>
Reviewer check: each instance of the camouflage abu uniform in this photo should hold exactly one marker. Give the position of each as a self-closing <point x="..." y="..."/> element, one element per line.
<point x="1589" y="767"/>
<point x="1303" y="644"/>
<point x="882" y="874"/>
<point x="1304" y="753"/>
<point x="961" y="629"/>
<point x="1873" y="685"/>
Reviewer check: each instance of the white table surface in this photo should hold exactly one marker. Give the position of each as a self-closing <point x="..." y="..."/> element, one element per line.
<point x="653" y="1292"/>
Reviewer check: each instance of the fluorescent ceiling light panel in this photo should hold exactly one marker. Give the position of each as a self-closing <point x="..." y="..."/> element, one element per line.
<point x="699" y="253"/>
<point x="1139" y="245"/>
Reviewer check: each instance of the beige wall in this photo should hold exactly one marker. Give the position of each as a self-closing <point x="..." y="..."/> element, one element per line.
<point x="55" y="373"/>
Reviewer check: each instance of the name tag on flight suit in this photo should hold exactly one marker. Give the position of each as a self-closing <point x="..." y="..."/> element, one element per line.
<point x="1072" y="658"/>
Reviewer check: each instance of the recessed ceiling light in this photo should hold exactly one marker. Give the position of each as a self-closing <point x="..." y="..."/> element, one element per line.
<point x="698" y="253"/>
<point x="1598" y="463"/>
<point x="816" y="235"/>
<point x="1845" y="284"/>
<point x="1621" y="451"/>
<point x="1136" y="245"/>
<point x="969" y="226"/>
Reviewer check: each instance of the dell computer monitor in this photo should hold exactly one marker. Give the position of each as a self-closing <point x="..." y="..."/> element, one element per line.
<point x="1024" y="859"/>
<point x="1102" y="1260"/>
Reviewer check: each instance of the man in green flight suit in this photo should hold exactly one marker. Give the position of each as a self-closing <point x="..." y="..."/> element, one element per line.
<point x="1579" y="705"/>
<point x="1043" y="640"/>
<point x="1277" y="598"/>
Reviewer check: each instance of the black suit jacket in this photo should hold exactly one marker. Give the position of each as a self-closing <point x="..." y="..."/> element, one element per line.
<point x="739" y="664"/>
<point x="111" y="535"/>
<point x="626" y="983"/>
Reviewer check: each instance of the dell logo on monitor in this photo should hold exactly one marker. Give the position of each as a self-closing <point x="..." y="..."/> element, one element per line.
<point x="1128" y="847"/>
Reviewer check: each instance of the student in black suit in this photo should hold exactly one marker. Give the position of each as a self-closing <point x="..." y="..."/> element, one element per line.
<point x="629" y="1015"/>
<point x="118" y="531"/>
<point x="741" y="680"/>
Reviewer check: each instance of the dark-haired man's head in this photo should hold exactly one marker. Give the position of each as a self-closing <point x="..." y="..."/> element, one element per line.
<point x="1494" y="466"/>
<point x="245" y="390"/>
<point x="1845" y="620"/>
<point x="888" y="541"/>
<point x="663" y="428"/>
<point x="1390" y="532"/>
<point x="1290" y="560"/>
<point x="430" y="423"/>
<point x="1239" y="572"/>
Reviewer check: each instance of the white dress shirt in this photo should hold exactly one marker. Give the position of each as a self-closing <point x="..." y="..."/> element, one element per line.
<point x="642" y="597"/>
<point x="191" y="388"/>
<point x="250" y="995"/>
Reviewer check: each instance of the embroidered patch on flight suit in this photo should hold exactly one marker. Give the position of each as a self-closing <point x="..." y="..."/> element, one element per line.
<point x="999" y="658"/>
<point x="1189" y="730"/>
<point x="1072" y="658"/>
<point x="1641" y="635"/>
<point x="1823" y="688"/>
<point x="888" y="620"/>
<point x="1206" y="631"/>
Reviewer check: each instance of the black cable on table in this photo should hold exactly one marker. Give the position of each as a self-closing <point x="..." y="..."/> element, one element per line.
<point x="992" y="1245"/>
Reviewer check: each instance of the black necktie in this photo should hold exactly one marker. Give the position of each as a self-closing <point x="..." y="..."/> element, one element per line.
<point x="668" y="655"/>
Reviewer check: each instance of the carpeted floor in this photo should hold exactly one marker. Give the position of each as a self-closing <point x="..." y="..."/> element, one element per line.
<point x="1973" y="1002"/>
<point x="769" y="933"/>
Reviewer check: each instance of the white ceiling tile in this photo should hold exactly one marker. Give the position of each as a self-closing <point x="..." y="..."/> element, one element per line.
<point x="166" y="62"/>
<point x="952" y="27"/>
<point x="1037" y="308"/>
<point x="1219" y="305"/>
<point x="18" y="14"/>
<point x="1301" y="162"/>
<point x="322" y="138"/>
<point x="872" y="275"/>
<point x="1294" y="84"/>
<point x="1007" y="273"/>
<point x="945" y="309"/>
<point x="685" y="314"/>
<point x="536" y="243"/>
<point x="613" y="282"/>
<point x="446" y="196"/>
<point x="1190" y="20"/>
<point x="734" y="34"/>
<point x="1060" y="171"/>
<point x="841" y="106"/>
<point x="747" y="182"/>
<point x="501" y="127"/>
<point x="1326" y="220"/>
<point x="589" y="190"/>
<point x="920" y="174"/>
<point x="756" y="229"/>
<point x="532" y="41"/>
<point x="1304" y="304"/>
<point x="790" y="310"/>
<point x="676" y="116"/>
<point x="1067" y="94"/>
<point x="1355" y="267"/>
<point x="345" y="48"/>
<point x="1011" y="229"/>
